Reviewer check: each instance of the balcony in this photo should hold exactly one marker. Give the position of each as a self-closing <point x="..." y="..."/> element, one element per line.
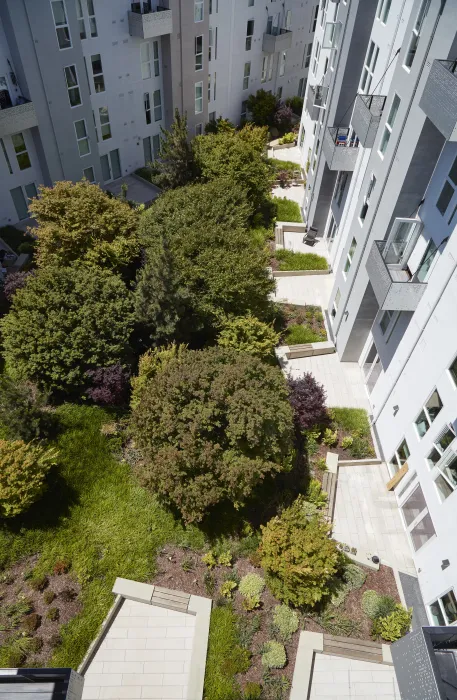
<point x="392" y="282"/>
<point x="439" y="98"/>
<point x="17" y="118"/>
<point x="366" y="117"/>
<point x="340" y="148"/>
<point x="276" y="39"/>
<point x="146" y="23"/>
<point x="317" y="97"/>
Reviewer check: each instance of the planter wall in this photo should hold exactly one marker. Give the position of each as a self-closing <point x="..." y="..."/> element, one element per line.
<point x="299" y="273"/>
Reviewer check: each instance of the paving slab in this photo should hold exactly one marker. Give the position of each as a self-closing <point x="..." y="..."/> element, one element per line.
<point x="338" y="677"/>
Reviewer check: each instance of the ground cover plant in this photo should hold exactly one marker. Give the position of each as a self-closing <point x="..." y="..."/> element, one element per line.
<point x="300" y="324"/>
<point x="284" y="259"/>
<point x="287" y="210"/>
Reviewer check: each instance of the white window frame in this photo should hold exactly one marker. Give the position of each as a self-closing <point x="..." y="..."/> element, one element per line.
<point x="198" y="97"/>
<point x="209" y="87"/>
<point x="156" y="58"/>
<point x="350" y="257"/>
<point x="110" y="165"/>
<point x="450" y="184"/>
<point x="97" y="75"/>
<point x="63" y="25"/>
<point x="452" y="372"/>
<point x="282" y="63"/>
<point x="72" y="87"/>
<point x="90" y="167"/>
<point x="389" y="125"/>
<point x="366" y="199"/>
<point x="146" y="63"/>
<point x="199" y="52"/>
<point x="199" y="10"/>
<point x="392" y="318"/>
<point x="21" y="152"/>
<point x="26" y="197"/>
<point x="382" y="13"/>
<point x="247" y="75"/>
<point x="199" y="129"/>
<point x="369" y="68"/>
<point x="332" y="233"/>
<point x="147" y="107"/>
<point x="438" y="601"/>
<point x="425" y="410"/>
<point x="105" y="123"/>
<point x="157" y="104"/>
<point x="92" y="19"/>
<point x="248" y="43"/>
<point x="314" y="20"/>
<point x="307" y="55"/>
<point x="396" y="462"/>
<point x="336" y="303"/>
<point x="418" y="519"/>
<point x="416" y="35"/>
<point x="316" y="58"/>
<point x="82" y="138"/>
<point x="438" y="447"/>
<point x="81" y="20"/>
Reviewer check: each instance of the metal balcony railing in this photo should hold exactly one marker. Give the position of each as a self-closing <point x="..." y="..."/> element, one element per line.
<point x="146" y="22"/>
<point x="316" y="100"/>
<point x="340" y="147"/>
<point x="393" y="285"/>
<point x="439" y="98"/>
<point x="19" y="117"/>
<point x="276" y="39"/>
<point x="366" y="116"/>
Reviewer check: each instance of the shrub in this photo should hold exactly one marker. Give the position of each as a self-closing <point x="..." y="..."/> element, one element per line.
<point x="13" y="282"/>
<point x="227" y="589"/>
<point x="288" y="260"/>
<point x="210" y="583"/>
<point x="340" y="594"/>
<point x="251" y="585"/>
<point x="394" y="626"/>
<point x="68" y="595"/>
<point x="370" y="604"/>
<point x="23" y="469"/>
<point x="252" y="691"/>
<point x="275" y="687"/>
<point x="250" y="603"/>
<point x="36" y="645"/>
<point x="338" y="624"/>
<point x="176" y="162"/>
<point x="299" y="334"/>
<point x="262" y="107"/>
<point x="248" y="334"/>
<point x="287" y="210"/>
<point x="315" y="494"/>
<point x="53" y="614"/>
<point x="296" y="103"/>
<point x="31" y="623"/>
<point x="273" y="655"/>
<point x="283" y="177"/>
<point x="55" y="640"/>
<point x="247" y="628"/>
<point x="285" y="621"/>
<point x="39" y="583"/>
<point x="212" y="425"/>
<point x="226" y="657"/>
<point x="298" y="556"/>
<point x="307" y="399"/>
<point x="283" y="117"/>
<point x="320" y="464"/>
<point x="48" y="596"/>
<point x="110" y="385"/>
<point x="346" y="442"/>
<point x="225" y="559"/>
<point x="210" y="560"/>
<point x="361" y="448"/>
<point x="288" y="138"/>
<point x="22" y="410"/>
<point x="330" y="437"/>
<point x="352" y="420"/>
<point x="386" y="605"/>
<point x="149" y="364"/>
<point x="354" y="576"/>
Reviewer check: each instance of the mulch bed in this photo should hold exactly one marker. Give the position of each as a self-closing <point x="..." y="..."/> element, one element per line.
<point x="14" y="587"/>
<point x="191" y="579"/>
<point x="306" y="314"/>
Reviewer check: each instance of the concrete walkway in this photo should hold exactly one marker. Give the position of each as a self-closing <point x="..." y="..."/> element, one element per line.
<point x="336" y="677"/>
<point x="291" y="154"/>
<point x="296" y="193"/>
<point x="367" y="516"/>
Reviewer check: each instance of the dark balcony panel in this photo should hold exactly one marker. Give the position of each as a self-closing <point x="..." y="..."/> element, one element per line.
<point x="439" y="98"/>
<point x="316" y="100"/>
<point x="340" y="148"/>
<point x="18" y="118"/>
<point x="366" y="117"/>
<point x="391" y="284"/>
<point x="276" y="40"/>
<point x="150" y="23"/>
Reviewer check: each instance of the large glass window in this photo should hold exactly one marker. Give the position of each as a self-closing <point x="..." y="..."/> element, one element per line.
<point x="199" y="97"/>
<point x="198" y="10"/>
<point x="198" y="52"/>
<point x="157" y="98"/>
<point x="247" y="74"/>
<point x="61" y="24"/>
<point x="147" y="107"/>
<point x="249" y="34"/>
<point x="23" y="159"/>
<point x="155" y="55"/>
<point x="88" y="173"/>
<point x="97" y="72"/>
<point x="426" y="262"/>
<point x="92" y="19"/>
<point x="111" y="166"/>
<point x="105" y="123"/>
<point x="428" y="414"/>
<point x="71" y="78"/>
<point x="282" y="62"/>
<point x="366" y="199"/>
<point x="383" y="10"/>
<point x="145" y="56"/>
<point x="82" y="138"/>
<point x="422" y="532"/>
<point x="81" y="22"/>
<point x="416" y="33"/>
<point x="21" y="197"/>
<point x="389" y="124"/>
<point x="444" y="610"/>
<point x="399" y="458"/>
<point x="414" y="505"/>
<point x="369" y="67"/>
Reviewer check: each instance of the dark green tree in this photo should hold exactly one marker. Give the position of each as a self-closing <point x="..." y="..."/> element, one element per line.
<point x="22" y="414"/>
<point x="175" y="165"/>
<point x="262" y="107"/>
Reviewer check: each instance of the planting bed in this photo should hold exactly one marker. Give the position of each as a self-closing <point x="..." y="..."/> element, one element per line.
<point x="344" y="423"/>
<point x="301" y="324"/>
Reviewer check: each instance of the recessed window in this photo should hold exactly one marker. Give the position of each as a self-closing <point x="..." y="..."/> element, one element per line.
<point x="422" y="532"/>
<point x="250" y="3"/>
<point x="340" y="186"/>
<point x="198" y="97"/>
<point x="336" y="303"/>
<point x="198" y="10"/>
<point x="92" y="19"/>
<point x="247" y="74"/>
<point x="383" y="10"/>
<point x="314" y="19"/>
<point x="350" y="256"/>
<point x="71" y="78"/>
<point x="105" y="123"/>
<point x="331" y="234"/>
<point x="82" y="138"/>
<point x="147" y="107"/>
<point x="428" y="414"/>
<point x="21" y="197"/>
<point x="198" y="129"/>
<point x="157" y="100"/>
<point x="369" y="67"/>
<point x="97" y="72"/>
<point x="156" y="146"/>
<point x="61" y="24"/>
<point x="441" y="443"/>
<point x="416" y="33"/>
<point x="417" y="518"/>
<point x="385" y="320"/>
<point x="448" y="191"/>
<point x="155" y="56"/>
<point x="401" y="456"/>
<point x="88" y="173"/>
<point x="316" y="58"/>
<point x="366" y="199"/>
<point x="111" y="166"/>
<point x="145" y="56"/>
<point x="198" y="52"/>
<point x="22" y="156"/>
<point x="80" y="17"/>
<point x="443" y="611"/>
<point x="249" y="34"/>
<point x="453" y="371"/>
<point x="307" y="55"/>
<point x="389" y="124"/>
<point x="282" y="63"/>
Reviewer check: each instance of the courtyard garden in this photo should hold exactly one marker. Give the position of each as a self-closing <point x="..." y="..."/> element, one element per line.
<point x="300" y="324"/>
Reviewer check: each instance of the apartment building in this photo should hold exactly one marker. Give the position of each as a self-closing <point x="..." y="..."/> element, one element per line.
<point x="86" y="85"/>
<point x="382" y="191"/>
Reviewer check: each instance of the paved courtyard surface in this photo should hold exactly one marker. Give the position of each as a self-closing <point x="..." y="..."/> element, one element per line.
<point x="146" y="653"/>
<point x="338" y="677"/>
<point x="138" y="190"/>
<point x="296" y="193"/>
<point x="292" y="154"/>
<point x="310" y="289"/>
<point x="367" y="516"/>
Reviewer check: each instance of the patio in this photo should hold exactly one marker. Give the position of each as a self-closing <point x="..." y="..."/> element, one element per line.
<point x="138" y="189"/>
<point x="339" y="677"/>
<point x="291" y="154"/>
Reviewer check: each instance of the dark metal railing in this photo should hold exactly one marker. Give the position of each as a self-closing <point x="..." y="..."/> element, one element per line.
<point x="344" y="137"/>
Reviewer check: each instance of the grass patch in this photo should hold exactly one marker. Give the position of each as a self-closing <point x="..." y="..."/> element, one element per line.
<point x="262" y="235"/>
<point x="300" y="324"/>
<point x="288" y="260"/>
<point x="95" y="516"/>
<point x="225" y="657"/>
<point x="286" y="210"/>
<point x="352" y="420"/>
<point x="280" y="165"/>
<point x="300" y="334"/>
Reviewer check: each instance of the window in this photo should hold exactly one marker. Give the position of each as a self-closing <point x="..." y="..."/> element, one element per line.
<point x="8" y="163"/>
<point x="210" y="43"/>
<point x="340" y="186"/>
<point x="413" y="44"/>
<point x="448" y="191"/>
<point x="147" y="107"/>
<point x="314" y="19"/>
<point x="279" y="92"/>
<point x="155" y="53"/>
<point x="209" y="87"/>
<point x="147" y="150"/>
<point x="417" y="519"/>
<point x="316" y="152"/>
<point x="428" y="414"/>
<point x="369" y="67"/>
<point x="426" y="262"/>
<point x="350" y="256"/>
<point x="250" y="3"/>
<point x="156" y="146"/>
<point x="97" y="72"/>
<point x="288" y="22"/>
<point x="443" y="611"/>
<point x="104" y="123"/>
<point x="307" y="55"/>
<point x="61" y="24"/>
<point x="71" y="77"/>
<point x="383" y="10"/>
<point x="145" y="55"/>
<point x="157" y="101"/>
<point x="282" y="63"/>
<point x="366" y="199"/>
<point x="301" y="87"/>
<point x="332" y="231"/>
<point x="247" y="74"/>
<point x="23" y="159"/>
<point x="215" y="85"/>
<point x="198" y="10"/>
<point x="92" y="19"/>
<point x="82" y="138"/>
<point x="452" y="368"/>
<point x="422" y="532"/>
<point x="111" y="166"/>
<point x="263" y="77"/>
<point x="389" y="124"/>
<point x="400" y="457"/>
<point x="88" y="173"/>
<point x="336" y="303"/>
<point x="198" y="98"/>
<point x="198" y="129"/>
<point x="212" y="117"/>
<point x="244" y="105"/>
<point x="384" y="321"/>
<point x="249" y="34"/>
<point x="21" y="197"/>
<point x="316" y="58"/>
<point x="323" y="11"/>
<point x="198" y="52"/>
<point x="80" y="17"/>
<point x="442" y="462"/>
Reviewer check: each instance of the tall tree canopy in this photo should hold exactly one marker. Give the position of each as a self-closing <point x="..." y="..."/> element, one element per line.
<point x="175" y="165"/>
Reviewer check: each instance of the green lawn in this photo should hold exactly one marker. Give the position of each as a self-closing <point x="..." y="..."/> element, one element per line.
<point x="352" y="420"/>
<point x="280" y="165"/>
<point x="225" y="657"/>
<point x="298" y="334"/>
<point x="286" y="210"/>
<point x="98" y="518"/>
<point x="288" y="260"/>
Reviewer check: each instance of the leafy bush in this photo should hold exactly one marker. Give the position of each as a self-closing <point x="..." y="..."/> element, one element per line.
<point x="252" y="691"/>
<point x="287" y="210"/>
<point x="338" y="624"/>
<point x="285" y="621"/>
<point x="273" y="655"/>
<point x="211" y="425"/>
<point x="288" y="260"/>
<point x="49" y="596"/>
<point x="31" y="622"/>
<point x="149" y="364"/>
<point x="299" y="334"/>
<point x="23" y="469"/>
<point x="219" y="124"/>
<point x="298" y="556"/>
<point x="283" y="117"/>
<point x="393" y="626"/>
<point x="330" y="437"/>
<point x="176" y="163"/>
<point x="296" y="103"/>
<point x="275" y="687"/>
<point x="386" y="605"/>
<point x="110" y="385"/>
<point x="346" y="442"/>
<point x="248" y="334"/>
<point x="250" y="603"/>
<point x="361" y="448"/>
<point x="225" y="657"/>
<point x="68" y="595"/>
<point x="247" y="628"/>
<point x="22" y="410"/>
<point x="307" y="399"/>
<point x="315" y="494"/>
<point x="354" y="576"/>
<point x="210" y="560"/>
<point x="262" y="107"/>
<point x="39" y="583"/>
<point x="225" y="559"/>
<point x="251" y="585"/>
<point x="370" y="603"/>
<point x="320" y="464"/>
<point x="288" y="138"/>
<point x="62" y="566"/>
<point x="227" y="589"/>
<point x="15" y="281"/>
<point x="53" y="614"/>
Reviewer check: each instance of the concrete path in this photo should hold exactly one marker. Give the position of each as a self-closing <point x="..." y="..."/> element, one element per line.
<point x="291" y="154"/>
<point x="335" y="677"/>
<point x="296" y="193"/>
<point x="367" y="516"/>
<point x="310" y="289"/>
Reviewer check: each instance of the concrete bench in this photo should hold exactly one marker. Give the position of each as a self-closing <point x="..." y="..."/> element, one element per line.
<point x="310" y="349"/>
<point x="329" y="483"/>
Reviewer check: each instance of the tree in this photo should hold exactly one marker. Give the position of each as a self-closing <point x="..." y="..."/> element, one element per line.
<point x="79" y="222"/>
<point x="149" y="364"/>
<point x="110" y="385"/>
<point x="175" y="164"/>
<point x="15" y="281"/>
<point x="248" y="334"/>
<point x="64" y="322"/>
<point x="283" y="117"/>
<point x="220" y="124"/>
<point x="23" y="469"/>
<point x="238" y="157"/>
<point x="211" y="425"/>
<point x="22" y="412"/>
<point x="262" y="107"/>
<point x="214" y="268"/>
<point x="298" y="556"/>
<point x="307" y="399"/>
